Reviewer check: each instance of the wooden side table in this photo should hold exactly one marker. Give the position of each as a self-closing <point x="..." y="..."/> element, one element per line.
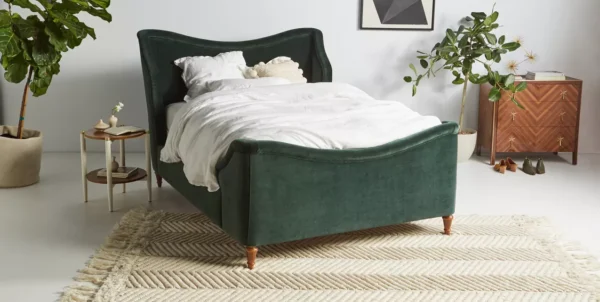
<point x="109" y="180"/>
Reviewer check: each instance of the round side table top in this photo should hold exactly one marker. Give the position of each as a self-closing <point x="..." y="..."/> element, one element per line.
<point x="99" y="135"/>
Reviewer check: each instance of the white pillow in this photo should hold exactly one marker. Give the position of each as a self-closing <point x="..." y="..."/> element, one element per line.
<point x="232" y="84"/>
<point x="199" y="71"/>
<point x="280" y="67"/>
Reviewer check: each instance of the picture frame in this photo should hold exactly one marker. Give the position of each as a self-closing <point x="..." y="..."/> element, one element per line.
<point x="397" y="15"/>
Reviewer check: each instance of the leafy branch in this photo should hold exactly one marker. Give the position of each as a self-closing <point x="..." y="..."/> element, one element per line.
<point x="32" y="46"/>
<point x="472" y="43"/>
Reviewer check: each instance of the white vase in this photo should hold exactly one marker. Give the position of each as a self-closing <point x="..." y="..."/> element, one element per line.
<point x="466" y="145"/>
<point x="113" y="120"/>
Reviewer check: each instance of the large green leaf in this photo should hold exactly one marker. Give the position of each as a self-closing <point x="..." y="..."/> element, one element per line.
<point x="69" y="6"/>
<point x="100" y="3"/>
<point x="90" y="31"/>
<point x="491" y="38"/>
<point x="28" y="5"/>
<point x="27" y="27"/>
<point x="16" y="71"/>
<point x="479" y="15"/>
<point x="521" y="87"/>
<point x="27" y="47"/>
<point x="71" y="22"/>
<point x="512" y="46"/>
<point x="510" y="79"/>
<point x="9" y="42"/>
<point x="451" y="35"/>
<point x="56" y="36"/>
<point x="44" y="53"/>
<point x="101" y="13"/>
<point x="495" y="95"/>
<point x="4" y="18"/>
<point x="39" y="85"/>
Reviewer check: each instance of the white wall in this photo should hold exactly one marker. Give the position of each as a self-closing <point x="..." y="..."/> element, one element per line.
<point x="102" y="72"/>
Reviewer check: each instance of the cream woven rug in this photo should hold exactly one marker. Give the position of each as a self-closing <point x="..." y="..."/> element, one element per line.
<point x="157" y="256"/>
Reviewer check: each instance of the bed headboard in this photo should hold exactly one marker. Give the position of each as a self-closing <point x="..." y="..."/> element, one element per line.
<point x="162" y="78"/>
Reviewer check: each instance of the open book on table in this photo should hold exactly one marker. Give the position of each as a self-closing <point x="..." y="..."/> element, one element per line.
<point x="123" y="130"/>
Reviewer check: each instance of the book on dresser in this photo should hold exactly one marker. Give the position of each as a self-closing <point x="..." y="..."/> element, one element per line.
<point x="545" y="76"/>
<point x="549" y="122"/>
<point x="122" y="172"/>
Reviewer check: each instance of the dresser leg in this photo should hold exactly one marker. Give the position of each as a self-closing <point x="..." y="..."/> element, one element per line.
<point x="493" y="158"/>
<point x="575" y="158"/>
<point x="555" y="153"/>
<point x="478" y="150"/>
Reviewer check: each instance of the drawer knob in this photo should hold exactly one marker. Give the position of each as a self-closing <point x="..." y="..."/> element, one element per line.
<point x="564" y="94"/>
<point x="562" y="116"/>
<point x="560" y="141"/>
<point x="514" y="116"/>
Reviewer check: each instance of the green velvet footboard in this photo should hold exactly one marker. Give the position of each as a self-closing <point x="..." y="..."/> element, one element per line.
<point x="274" y="192"/>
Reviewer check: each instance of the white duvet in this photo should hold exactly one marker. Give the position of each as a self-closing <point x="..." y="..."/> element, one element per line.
<point x="322" y="116"/>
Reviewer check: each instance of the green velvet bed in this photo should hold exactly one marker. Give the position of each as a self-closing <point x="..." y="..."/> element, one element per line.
<point x="274" y="192"/>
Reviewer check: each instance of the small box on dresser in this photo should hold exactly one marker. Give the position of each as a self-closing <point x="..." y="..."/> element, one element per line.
<point x="549" y="122"/>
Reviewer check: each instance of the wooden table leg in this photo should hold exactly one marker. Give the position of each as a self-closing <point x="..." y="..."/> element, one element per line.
<point x="84" y="167"/>
<point x="575" y="158"/>
<point x="109" y="185"/>
<point x="148" y="167"/>
<point x="122" y="155"/>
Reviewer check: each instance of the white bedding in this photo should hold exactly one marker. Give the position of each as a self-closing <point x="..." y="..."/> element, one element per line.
<point x="323" y="116"/>
<point x="172" y="110"/>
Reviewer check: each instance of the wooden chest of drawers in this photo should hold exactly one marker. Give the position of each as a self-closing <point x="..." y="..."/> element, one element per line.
<point x="550" y="122"/>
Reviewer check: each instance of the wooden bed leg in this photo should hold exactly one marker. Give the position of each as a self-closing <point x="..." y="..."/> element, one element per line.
<point x="159" y="180"/>
<point x="251" y="252"/>
<point x="448" y="224"/>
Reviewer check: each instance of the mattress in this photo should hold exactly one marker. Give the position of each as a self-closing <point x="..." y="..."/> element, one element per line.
<point x="172" y="112"/>
<point x="332" y="116"/>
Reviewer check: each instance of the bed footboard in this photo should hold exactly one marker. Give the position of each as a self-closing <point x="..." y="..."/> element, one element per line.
<point x="274" y="192"/>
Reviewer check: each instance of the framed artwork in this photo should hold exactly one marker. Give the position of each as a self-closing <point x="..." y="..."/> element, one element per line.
<point x="398" y="14"/>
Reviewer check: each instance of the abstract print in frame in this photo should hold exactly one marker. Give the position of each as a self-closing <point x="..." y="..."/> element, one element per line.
<point x="398" y="14"/>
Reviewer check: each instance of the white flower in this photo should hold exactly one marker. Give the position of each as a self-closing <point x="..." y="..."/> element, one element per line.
<point x="118" y="107"/>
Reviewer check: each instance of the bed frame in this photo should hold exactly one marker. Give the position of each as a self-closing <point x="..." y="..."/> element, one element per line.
<point x="274" y="192"/>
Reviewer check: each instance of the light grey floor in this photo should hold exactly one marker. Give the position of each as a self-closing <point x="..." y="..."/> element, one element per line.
<point x="47" y="232"/>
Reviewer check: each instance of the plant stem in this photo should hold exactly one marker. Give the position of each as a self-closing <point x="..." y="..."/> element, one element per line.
<point x="24" y="105"/>
<point x="464" y="101"/>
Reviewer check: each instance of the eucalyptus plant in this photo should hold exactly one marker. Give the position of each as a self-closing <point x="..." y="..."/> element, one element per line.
<point x="461" y="50"/>
<point x="32" y="46"/>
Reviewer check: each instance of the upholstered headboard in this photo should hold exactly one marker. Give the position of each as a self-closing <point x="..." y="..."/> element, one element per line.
<point x="162" y="78"/>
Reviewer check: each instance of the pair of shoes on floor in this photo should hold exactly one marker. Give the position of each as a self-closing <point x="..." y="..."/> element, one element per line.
<point x="539" y="168"/>
<point x="506" y="164"/>
<point x="510" y="164"/>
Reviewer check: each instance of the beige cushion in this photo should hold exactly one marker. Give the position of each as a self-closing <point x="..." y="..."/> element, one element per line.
<point x="281" y="67"/>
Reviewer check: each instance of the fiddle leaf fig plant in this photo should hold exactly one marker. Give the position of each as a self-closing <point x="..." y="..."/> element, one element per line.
<point x="32" y="46"/>
<point x="461" y="50"/>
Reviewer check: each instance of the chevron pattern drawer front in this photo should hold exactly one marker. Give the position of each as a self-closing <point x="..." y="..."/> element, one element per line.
<point x="550" y="122"/>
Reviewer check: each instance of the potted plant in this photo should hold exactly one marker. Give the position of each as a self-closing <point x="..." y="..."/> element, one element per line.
<point x="473" y="43"/>
<point x="31" y="50"/>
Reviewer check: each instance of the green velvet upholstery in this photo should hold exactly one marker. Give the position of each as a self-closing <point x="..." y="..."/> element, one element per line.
<point x="274" y="192"/>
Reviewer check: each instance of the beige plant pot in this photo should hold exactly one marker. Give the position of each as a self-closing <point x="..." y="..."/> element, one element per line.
<point x="466" y="145"/>
<point x="20" y="159"/>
